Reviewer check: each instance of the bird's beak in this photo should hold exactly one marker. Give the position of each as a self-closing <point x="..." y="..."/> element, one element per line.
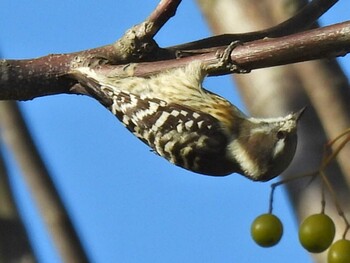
<point x="298" y="114"/>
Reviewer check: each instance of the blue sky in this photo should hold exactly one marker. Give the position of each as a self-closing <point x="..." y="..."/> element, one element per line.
<point x="128" y="204"/>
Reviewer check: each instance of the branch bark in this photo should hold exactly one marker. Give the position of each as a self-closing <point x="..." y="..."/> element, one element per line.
<point x="28" y="79"/>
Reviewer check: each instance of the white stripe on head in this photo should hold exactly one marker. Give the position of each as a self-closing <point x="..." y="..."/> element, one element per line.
<point x="239" y="154"/>
<point x="270" y="120"/>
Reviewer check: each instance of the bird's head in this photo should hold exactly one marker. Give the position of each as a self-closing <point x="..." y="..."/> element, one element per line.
<point x="265" y="147"/>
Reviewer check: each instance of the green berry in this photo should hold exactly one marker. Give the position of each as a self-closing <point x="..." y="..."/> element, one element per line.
<point x="316" y="233"/>
<point x="267" y="230"/>
<point x="339" y="252"/>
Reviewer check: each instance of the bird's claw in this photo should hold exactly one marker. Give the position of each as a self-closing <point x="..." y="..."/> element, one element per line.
<point x="225" y="63"/>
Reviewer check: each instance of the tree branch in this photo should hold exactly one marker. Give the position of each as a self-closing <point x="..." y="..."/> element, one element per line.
<point x="28" y="79"/>
<point x="302" y="20"/>
<point x="330" y="41"/>
<point x="161" y="14"/>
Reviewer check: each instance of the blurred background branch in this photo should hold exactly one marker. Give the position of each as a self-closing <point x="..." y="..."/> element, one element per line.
<point x="17" y="138"/>
<point x="14" y="243"/>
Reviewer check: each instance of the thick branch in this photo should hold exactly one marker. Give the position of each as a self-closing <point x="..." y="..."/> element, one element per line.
<point x="326" y="42"/>
<point x="27" y="79"/>
<point x="323" y="42"/>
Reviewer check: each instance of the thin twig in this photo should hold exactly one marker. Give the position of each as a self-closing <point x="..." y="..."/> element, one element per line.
<point x="336" y="202"/>
<point x="329" y="158"/>
<point x="286" y="181"/>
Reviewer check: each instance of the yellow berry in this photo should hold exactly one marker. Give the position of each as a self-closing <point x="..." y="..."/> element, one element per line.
<point x="339" y="252"/>
<point x="267" y="230"/>
<point x="316" y="233"/>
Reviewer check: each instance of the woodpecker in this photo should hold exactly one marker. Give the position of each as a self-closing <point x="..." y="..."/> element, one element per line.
<point x="194" y="128"/>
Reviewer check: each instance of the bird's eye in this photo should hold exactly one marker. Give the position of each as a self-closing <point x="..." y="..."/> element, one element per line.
<point x="281" y="135"/>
